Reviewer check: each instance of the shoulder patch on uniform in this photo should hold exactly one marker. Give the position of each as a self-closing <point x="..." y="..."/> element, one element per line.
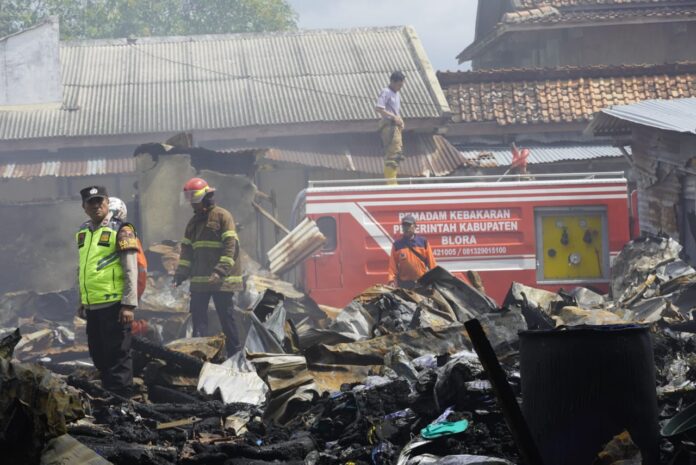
<point x="81" y="239"/>
<point x="127" y="239"/>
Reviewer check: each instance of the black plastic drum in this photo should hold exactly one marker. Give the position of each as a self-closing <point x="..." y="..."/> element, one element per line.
<point x="584" y="385"/>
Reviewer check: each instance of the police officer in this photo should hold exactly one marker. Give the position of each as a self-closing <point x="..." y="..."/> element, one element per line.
<point x="107" y="276"/>
<point x="411" y="256"/>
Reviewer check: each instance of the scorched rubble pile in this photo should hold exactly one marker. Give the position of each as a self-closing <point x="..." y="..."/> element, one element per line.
<point x="390" y="379"/>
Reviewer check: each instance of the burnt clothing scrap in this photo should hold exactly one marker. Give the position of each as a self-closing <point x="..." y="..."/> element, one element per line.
<point x="109" y="343"/>
<point x="225" y="311"/>
<point x="210" y="245"/>
<point x="405" y="264"/>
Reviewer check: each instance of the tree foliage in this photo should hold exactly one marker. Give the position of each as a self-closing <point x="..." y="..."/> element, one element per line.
<point x="96" y="19"/>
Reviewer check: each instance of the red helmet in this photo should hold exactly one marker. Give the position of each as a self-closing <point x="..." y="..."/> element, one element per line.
<point x="196" y="189"/>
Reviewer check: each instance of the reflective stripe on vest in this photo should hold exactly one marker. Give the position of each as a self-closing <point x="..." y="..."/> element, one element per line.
<point x="101" y="275"/>
<point x="207" y="244"/>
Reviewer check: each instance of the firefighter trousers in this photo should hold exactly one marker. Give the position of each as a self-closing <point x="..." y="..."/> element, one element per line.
<point x="392" y="145"/>
<point x="225" y="311"/>
<point x="109" y="343"/>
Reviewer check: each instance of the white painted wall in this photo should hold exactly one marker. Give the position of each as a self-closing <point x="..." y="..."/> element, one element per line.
<point x="30" y="66"/>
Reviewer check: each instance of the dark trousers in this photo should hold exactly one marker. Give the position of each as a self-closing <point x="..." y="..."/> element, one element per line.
<point x="109" y="344"/>
<point x="225" y="312"/>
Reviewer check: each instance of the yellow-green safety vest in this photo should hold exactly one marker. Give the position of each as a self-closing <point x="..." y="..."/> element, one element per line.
<point x="101" y="274"/>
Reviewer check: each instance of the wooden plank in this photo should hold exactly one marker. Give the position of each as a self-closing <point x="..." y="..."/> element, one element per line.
<point x="270" y="217"/>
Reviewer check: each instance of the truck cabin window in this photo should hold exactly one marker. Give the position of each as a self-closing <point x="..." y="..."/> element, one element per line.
<point x="327" y="226"/>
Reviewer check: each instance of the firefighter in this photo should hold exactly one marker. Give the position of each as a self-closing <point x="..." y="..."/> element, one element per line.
<point x="411" y="256"/>
<point x="210" y="259"/>
<point x="391" y="125"/>
<point x="107" y="278"/>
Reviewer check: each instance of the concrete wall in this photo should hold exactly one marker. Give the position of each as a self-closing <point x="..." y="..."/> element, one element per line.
<point x="39" y="218"/>
<point x="51" y="188"/>
<point x="30" y="67"/>
<point x="164" y="212"/>
<point x="608" y="45"/>
<point x="37" y="245"/>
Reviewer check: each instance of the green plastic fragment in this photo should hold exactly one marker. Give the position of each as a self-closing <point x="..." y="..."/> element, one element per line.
<point x="445" y="428"/>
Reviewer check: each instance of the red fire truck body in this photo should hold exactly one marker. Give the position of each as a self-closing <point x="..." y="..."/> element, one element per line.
<point x="550" y="232"/>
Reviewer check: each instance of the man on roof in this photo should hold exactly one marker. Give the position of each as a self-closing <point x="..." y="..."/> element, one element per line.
<point x="391" y="125"/>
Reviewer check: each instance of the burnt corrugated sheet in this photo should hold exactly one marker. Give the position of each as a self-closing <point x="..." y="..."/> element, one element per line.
<point x="176" y="84"/>
<point x="425" y="155"/>
<point x="68" y="168"/>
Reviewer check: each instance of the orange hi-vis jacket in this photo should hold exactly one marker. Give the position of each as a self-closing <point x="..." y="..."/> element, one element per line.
<point x="404" y="264"/>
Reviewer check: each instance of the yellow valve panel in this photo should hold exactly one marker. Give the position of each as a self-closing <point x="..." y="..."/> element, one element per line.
<point x="573" y="246"/>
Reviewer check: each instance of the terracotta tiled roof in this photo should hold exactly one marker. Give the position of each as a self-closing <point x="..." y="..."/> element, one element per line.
<point x="565" y="95"/>
<point x="545" y="12"/>
<point x="549" y="14"/>
<point x="522" y="4"/>
<point x="537" y="14"/>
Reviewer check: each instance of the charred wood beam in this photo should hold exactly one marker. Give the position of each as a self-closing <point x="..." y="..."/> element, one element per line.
<point x="58" y="368"/>
<point x="96" y="391"/>
<point x="212" y="408"/>
<point x="123" y="453"/>
<point x="186" y="363"/>
<point x="295" y="449"/>
<point x="506" y="398"/>
<point x="245" y="461"/>
<point x="162" y="394"/>
<point x="94" y="431"/>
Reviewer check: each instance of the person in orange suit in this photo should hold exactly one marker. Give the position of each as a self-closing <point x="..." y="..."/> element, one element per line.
<point x="411" y="256"/>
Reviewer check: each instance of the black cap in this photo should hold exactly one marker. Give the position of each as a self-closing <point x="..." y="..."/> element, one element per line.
<point x="93" y="191"/>
<point x="408" y="219"/>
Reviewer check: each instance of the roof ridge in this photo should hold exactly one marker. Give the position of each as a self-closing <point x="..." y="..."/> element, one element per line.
<point x="521" y="5"/>
<point x="568" y="72"/>
<point x="148" y="40"/>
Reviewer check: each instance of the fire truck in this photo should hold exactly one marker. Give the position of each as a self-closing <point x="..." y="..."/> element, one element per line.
<point x="547" y="231"/>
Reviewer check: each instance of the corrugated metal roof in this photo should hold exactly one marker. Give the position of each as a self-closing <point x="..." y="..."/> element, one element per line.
<point x="171" y="84"/>
<point x="488" y="157"/>
<point x="678" y="115"/>
<point x="68" y="168"/>
<point x="424" y="155"/>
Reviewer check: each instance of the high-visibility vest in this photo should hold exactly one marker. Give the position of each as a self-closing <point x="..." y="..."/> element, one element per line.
<point x="101" y="274"/>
